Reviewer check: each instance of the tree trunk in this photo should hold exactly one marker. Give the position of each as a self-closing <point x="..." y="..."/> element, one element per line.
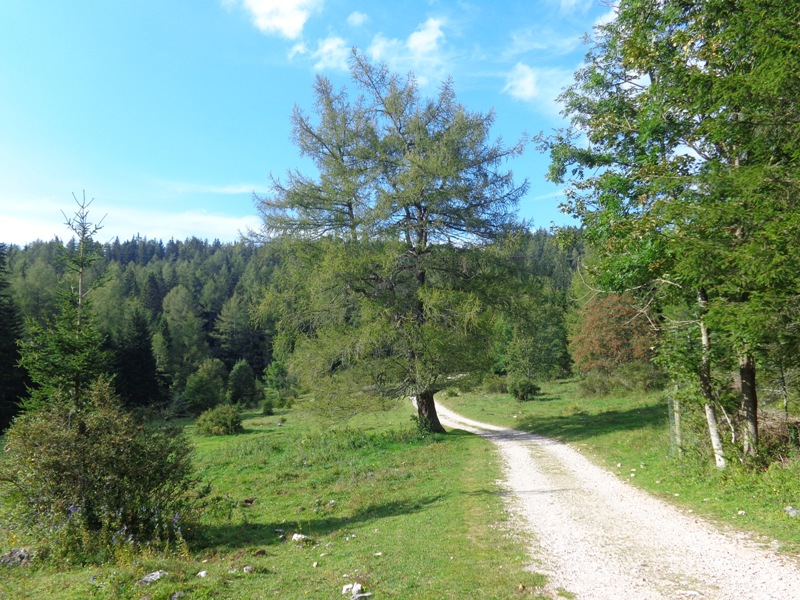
<point x="713" y="432"/>
<point x="426" y="409"/>
<point x="675" y="423"/>
<point x="749" y="403"/>
<point x="707" y="385"/>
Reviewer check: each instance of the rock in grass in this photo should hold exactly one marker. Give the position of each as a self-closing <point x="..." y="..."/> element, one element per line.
<point x="16" y="558"/>
<point x="299" y="537"/>
<point x="152" y="577"/>
<point x="356" y="591"/>
<point x="792" y="512"/>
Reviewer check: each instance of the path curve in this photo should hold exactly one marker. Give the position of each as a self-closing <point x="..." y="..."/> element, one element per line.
<point x="602" y="539"/>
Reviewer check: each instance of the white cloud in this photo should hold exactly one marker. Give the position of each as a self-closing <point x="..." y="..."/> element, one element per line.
<point x="421" y="52"/>
<point x="425" y="40"/>
<point x="383" y="49"/>
<point x="199" y="188"/>
<point x="298" y="49"/>
<point x="331" y="53"/>
<point x="357" y="19"/>
<point x="281" y="17"/>
<point x="31" y="219"/>
<point x="606" y="18"/>
<point x="540" y="87"/>
<point x="179" y="225"/>
<point x="521" y="83"/>
<point x="574" y="6"/>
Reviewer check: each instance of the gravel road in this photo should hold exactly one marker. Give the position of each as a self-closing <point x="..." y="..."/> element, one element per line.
<point x="600" y="538"/>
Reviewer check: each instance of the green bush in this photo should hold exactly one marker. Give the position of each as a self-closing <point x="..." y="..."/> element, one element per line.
<point x="225" y="419"/>
<point x="267" y="408"/>
<point x="92" y="484"/>
<point x="494" y="384"/>
<point x="205" y="388"/>
<point x="522" y="388"/>
<point x="242" y="388"/>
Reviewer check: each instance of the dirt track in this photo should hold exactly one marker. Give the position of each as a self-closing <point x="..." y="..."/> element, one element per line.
<point x="600" y="538"/>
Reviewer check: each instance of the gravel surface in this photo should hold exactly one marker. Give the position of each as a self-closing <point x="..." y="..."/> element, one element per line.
<point x="600" y="538"/>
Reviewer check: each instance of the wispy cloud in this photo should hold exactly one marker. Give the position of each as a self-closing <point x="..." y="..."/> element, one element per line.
<point x="550" y="42"/>
<point x="31" y="219"/>
<point x="521" y="83"/>
<point x="357" y="19"/>
<point x="537" y="86"/>
<point x="331" y="53"/>
<point x="179" y="225"/>
<point x="281" y="17"/>
<point x="200" y="188"/>
<point x="421" y="52"/>
<point x="574" y="6"/>
<point x="606" y="17"/>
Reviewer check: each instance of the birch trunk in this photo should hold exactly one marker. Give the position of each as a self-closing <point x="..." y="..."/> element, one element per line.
<point x="707" y="386"/>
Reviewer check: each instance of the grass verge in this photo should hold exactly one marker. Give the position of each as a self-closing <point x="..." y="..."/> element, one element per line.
<point x="629" y="435"/>
<point x="406" y="516"/>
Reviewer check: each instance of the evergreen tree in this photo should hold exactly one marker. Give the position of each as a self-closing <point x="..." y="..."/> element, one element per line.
<point x="65" y="356"/>
<point x="242" y="388"/>
<point x="12" y="380"/>
<point x="135" y="369"/>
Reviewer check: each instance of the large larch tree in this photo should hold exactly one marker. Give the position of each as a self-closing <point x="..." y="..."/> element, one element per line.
<point x="387" y="286"/>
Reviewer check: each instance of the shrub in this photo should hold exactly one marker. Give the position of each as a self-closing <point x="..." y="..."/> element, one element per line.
<point x="242" y="387"/>
<point x="522" y="388"/>
<point x="205" y="388"/>
<point x="494" y="384"/>
<point x="267" y="408"/>
<point x="225" y="419"/>
<point x="92" y="483"/>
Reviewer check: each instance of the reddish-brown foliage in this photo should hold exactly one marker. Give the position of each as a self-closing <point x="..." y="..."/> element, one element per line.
<point x="610" y="332"/>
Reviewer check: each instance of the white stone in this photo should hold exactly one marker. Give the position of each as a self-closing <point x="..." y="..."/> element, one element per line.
<point x="152" y="577"/>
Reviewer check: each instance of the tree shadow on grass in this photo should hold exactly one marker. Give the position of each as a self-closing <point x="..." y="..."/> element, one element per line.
<point x="231" y="537"/>
<point x="583" y="426"/>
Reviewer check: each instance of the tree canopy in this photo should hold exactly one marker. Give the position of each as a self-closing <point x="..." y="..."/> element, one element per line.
<point x="682" y="165"/>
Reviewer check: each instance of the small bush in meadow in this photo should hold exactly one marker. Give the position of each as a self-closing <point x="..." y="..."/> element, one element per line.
<point x="93" y="484"/>
<point x="224" y="419"/>
<point x="494" y="384"/>
<point x="205" y="388"/>
<point x="522" y="388"/>
<point x="267" y="408"/>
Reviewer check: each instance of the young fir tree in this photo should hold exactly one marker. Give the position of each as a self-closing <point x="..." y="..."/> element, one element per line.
<point x="65" y="355"/>
<point x="390" y="275"/>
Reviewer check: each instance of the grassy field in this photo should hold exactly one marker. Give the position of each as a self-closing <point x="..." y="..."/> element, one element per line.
<point x="406" y="516"/>
<point x="629" y="435"/>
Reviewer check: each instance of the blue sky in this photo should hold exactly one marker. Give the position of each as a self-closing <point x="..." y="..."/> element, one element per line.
<point x="171" y="114"/>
